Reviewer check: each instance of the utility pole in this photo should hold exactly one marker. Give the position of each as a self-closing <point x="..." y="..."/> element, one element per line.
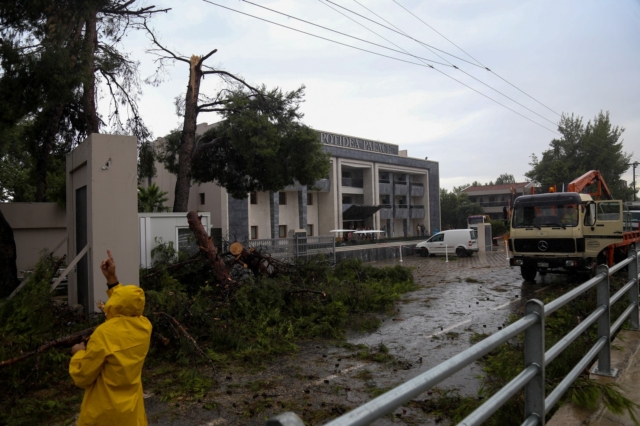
<point x="634" y="164"/>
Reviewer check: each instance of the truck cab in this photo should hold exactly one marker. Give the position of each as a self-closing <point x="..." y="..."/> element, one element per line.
<point x="562" y="232"/>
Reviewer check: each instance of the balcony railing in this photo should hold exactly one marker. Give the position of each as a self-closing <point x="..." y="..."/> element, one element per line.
<point x="352" y="182"/>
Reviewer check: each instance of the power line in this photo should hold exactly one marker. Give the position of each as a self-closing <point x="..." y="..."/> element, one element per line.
<point x="320" y="37"/>
<point x="379" y="54"/>
<point x="404" y="35"/>
<point x="394" y="58"/>
<point x="344" y="34"/>
<point x="593" y="149"/>
<point x="493" y="72"/>
<point x="454" y="66"/>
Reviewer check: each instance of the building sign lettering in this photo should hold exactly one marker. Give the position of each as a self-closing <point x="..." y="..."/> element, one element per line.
<point x="356" y="143"/>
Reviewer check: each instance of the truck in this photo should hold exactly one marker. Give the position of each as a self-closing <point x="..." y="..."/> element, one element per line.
<point x="569" y="232"/>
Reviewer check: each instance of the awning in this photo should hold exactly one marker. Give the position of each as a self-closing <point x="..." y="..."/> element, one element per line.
<point x="356" y="212"/>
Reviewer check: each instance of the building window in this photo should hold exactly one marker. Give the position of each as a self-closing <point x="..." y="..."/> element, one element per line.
<point x="309" y="230"/>
<point x="282" y="198"/>
<point x="254" y="232"/>
<point x="253" y="198"/>
<point x="187" y="242"/>
<point x="201" y="198"/>
<point x="282" y="231"/>
<point x="309" y="199"/>
<point x="347" y="200"/>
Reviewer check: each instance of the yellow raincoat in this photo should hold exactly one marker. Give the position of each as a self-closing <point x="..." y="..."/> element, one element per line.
<point x="110" y="368"/>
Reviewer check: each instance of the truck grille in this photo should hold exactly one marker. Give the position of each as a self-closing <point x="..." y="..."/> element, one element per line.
<point x="554" y="245"/>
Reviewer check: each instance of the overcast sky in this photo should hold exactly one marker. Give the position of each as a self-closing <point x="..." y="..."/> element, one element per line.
<point x="572" y="56"/>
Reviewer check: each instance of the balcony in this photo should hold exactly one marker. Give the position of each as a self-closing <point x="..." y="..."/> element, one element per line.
<point x="352" y="182"/>
<point x="322" y="185"/>
<point x="385" y="187"/>
<point x="401" y="188"/>
<point x="417" y="189"/>
<point x="386" y="213"/>
<point x="402" y="211"/>
<point x="494" y="203"/>
<point x="417" y="212"/>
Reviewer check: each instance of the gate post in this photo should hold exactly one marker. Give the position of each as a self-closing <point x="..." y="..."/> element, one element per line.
<point x="604" y="325"/>
<point x="534" y="349"/>
<point x="633" y="293"/>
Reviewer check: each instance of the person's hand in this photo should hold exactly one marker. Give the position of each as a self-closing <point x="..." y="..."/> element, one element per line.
<point x="79" y="347"/>
<point x="108" y="267"/>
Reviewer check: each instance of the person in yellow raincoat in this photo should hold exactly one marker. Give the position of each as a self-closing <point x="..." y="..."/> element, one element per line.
<point x="109" y="367"/>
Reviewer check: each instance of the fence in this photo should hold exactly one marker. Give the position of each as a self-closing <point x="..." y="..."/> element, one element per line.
<point x="532" y="378"/>
<point x="300" y="246"/>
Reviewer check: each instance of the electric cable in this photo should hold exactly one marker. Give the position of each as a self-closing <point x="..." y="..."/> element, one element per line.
<point x="322" y="38"/>
<point x="379" y="54"/>
<point x="493" y="72"/>
<point x="456" y="67"/>
<point x="344" y="34"/>
<point x="404" y="35"/>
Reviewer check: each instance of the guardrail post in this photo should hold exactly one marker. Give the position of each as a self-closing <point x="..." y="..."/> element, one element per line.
<point x="604" y="325"/>
<point x="534" y="349"/>
<point x="633" y="293"/>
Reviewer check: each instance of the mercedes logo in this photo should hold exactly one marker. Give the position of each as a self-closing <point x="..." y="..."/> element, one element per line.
<point x="543" y="245"/>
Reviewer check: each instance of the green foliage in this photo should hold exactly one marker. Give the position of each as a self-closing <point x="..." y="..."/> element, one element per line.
<point x="455" y="207"/>
<point x="152" y="199"/>
<point x="38" y="390"/>
<point x="505" y="178"/>
<point x="265" y="317"/>
<point x="260" y="145"/>
<point x="146" y="161"/>
<point x="596" y="145"/>
<point x="498" y="228"/>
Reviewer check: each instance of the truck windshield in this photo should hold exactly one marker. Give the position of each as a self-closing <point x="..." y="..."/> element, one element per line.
<point x="545" y="215"/>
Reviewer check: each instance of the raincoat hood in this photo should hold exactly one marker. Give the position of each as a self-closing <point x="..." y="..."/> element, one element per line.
<point x="125" y="301"/>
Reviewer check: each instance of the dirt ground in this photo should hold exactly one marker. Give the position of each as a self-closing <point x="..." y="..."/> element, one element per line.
<point x="326" y="379"/>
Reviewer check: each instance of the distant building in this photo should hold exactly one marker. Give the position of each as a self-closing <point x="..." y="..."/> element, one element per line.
<point x="494" y="198"/>
<point x="370" y="184"/>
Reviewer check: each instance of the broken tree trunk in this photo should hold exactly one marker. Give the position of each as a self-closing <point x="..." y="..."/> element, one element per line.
<point x="208" y="249"/>
<point x="63" y="341"/>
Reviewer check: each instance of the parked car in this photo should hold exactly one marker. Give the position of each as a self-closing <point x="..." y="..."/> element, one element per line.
<point x="462" y="242"/>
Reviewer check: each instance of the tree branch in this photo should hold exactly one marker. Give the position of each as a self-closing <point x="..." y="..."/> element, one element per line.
<point x="205" y="57"/>
<point x="155" y="41"/>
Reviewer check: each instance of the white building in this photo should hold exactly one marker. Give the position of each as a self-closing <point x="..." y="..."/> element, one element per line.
<point x="370" y="184"/>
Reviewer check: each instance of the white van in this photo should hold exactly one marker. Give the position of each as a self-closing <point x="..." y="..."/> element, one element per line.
<point x="462" y="242"/>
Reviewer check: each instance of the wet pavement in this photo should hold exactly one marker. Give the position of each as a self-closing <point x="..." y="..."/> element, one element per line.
<point x="456" y="299"/>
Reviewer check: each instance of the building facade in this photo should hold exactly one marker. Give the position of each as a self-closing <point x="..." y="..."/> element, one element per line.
<point x="495" y="198"/>
<point x="370" y="185"/>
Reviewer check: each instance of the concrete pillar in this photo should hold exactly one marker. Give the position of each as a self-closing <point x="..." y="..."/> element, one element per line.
<point x="302" y="208"/>
<point x="274" y="213"/>
<point x="238" y="219"/>
<point x="102" y="213"/>
<point x="392" y="198"/>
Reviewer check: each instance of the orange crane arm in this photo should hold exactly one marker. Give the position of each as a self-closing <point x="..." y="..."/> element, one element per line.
<point x="590" y="178"/>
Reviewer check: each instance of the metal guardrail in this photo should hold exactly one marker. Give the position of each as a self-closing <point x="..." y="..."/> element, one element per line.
<point x="532" y="378"/>
<point x="296" y="247"/>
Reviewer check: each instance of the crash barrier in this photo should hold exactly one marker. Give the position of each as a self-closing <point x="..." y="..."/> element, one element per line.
<point x="532" y="378"/>
<point x="296" y="247"/>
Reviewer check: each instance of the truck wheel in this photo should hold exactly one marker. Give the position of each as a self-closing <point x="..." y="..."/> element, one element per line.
<point x="424" y="252"/>
<point x="460" y="252"/>
<point x="528" y="272"/>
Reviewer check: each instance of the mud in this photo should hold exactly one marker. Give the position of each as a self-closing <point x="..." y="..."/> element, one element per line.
<point x="321" y="381"/>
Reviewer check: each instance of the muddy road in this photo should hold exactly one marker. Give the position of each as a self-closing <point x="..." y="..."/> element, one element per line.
<point x="325" y="379"/>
